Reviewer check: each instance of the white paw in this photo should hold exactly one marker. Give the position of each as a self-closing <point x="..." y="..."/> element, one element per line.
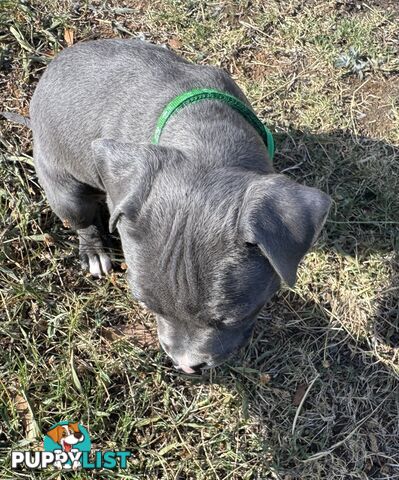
<point x="100" y="265"/>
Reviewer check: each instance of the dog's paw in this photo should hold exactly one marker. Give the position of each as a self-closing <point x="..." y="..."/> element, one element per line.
<point x="92" y="252"/>
<point x="97" y="263"/>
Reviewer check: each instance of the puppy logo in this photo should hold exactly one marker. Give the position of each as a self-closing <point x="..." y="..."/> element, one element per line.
<point x="68" y="440"/>
<point x="66" y="435"/>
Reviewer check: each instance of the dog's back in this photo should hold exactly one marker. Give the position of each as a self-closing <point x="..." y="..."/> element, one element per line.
<point x="206" y="228"/>
<point x="111" y="89"/>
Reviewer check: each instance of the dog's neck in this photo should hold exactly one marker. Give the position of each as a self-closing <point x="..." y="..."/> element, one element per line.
<point x="211" y="132"/>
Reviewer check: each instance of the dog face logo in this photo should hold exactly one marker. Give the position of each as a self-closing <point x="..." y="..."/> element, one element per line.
<point x="67" y="446"/>
<point x="67" y="436"/>
<point x="67" y="439"/>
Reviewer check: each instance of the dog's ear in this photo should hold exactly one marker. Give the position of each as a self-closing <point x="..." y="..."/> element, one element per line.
<point x="55" y="434"/>
<point x="74" y="427"/>
<point x="284" y="219"/>
<point x="127" y="172"/>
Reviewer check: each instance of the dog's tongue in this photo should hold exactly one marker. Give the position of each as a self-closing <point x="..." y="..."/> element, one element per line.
<point x="187" y="369"/>
<point x="67" y="447"/>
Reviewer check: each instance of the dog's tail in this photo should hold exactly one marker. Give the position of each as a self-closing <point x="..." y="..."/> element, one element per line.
<point x="16" y="117"/>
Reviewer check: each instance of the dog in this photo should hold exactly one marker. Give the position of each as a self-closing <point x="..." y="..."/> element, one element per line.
<point x="67" y="436"/>
<point x="208" y="229"/>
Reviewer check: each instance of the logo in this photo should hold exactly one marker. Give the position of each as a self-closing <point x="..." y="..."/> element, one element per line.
<point x="67" y="446"/>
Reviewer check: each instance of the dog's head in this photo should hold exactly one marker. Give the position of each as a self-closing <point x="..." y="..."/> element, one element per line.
<point x="66" y="435"/>
<point x="206" y="248"/>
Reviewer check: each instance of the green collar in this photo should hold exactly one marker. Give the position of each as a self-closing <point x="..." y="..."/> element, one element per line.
<point x="196" y="95"/>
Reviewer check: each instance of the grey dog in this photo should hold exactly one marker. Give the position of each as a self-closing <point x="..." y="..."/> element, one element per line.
<point x="208" y="229"/>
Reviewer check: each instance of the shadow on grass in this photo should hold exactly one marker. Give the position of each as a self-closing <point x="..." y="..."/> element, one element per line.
<point x="362" y="176"/>
<point x="320" y="377"/>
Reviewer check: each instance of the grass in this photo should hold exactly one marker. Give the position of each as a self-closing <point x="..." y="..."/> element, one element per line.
<point x="315" y="394"/>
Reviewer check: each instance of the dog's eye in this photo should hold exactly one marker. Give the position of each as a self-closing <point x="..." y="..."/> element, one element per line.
<point x="64" y="433"/>
<point x="217" y="323"/>
<point x="253" y="248"/>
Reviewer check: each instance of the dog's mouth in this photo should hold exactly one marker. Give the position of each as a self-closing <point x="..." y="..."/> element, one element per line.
<point x="67" y="447"/>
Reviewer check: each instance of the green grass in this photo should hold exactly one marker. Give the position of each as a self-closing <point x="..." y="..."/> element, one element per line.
<point x="79" y="349"/>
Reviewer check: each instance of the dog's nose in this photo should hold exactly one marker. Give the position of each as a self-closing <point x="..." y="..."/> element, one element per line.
<point x="193" y="369"/>
<point x="78" y="435"/>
